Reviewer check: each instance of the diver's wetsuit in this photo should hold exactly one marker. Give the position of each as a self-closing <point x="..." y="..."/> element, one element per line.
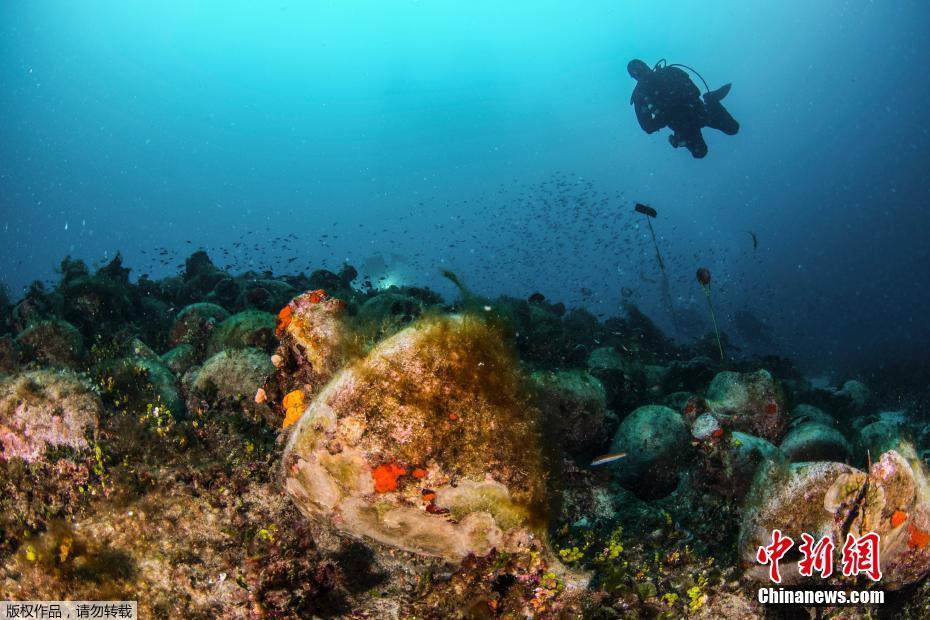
<point x="666" y="97"/>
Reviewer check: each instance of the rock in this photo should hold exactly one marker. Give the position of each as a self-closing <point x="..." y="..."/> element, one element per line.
<point x="52" y="343"/>
<point x="138" y="348"/>
<point x="155" y="320"/>
<point x="677" y="400"/>
<point x="251" y="328"/>
<point x="200" y="274"/>
<point x="180" y="359"/>
<point x="812" y="441"/>
<point x="37" y="305"/>
<point x="809" y="413"/>
<point x="46" y="409"/>
<point x="136" y="383"/>
<point x="706" y="427"/>
<point x="326" y="280"/>
<point x="749" y="402"/>
<point x="315" y="337"/>
<point x="895" y="418"/>
<point x="657" y="445"/>
<point x="892" y="499"/>
<point x="728" y="460"/>
<point x="856" y="394"/>
<point x="231" y="378"/>
<point x="844" y="403"/>
<point x="605" y="358"/>
<point x="879" y="437"/>
<point x="225" y="292"/>
<point x="690" y="376"/>
<point x="539" y="333"/>
<point x="48" y="452"/>
<point x="195" y="323"/>
<point x="98" y="304"/>
<point x="903" y="480"/>
<point x="390" y="310"/>
<point x="431" y="424"/>
<point x="923" y="437"/>
<point x="9" y="356"/>
<point x="655" y="377"/>
<point x="264" y="294"/>
<point x="788" y="497"/>
<point x="608" y="366"/>
<point x="742" y="456"/>
<point x="573" y="404"/>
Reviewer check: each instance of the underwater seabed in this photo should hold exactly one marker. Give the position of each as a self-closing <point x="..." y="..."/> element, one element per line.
<point x="306" y="446"/>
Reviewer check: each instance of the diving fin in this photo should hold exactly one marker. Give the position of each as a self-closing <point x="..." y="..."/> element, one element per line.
<point x="719" y="94"/>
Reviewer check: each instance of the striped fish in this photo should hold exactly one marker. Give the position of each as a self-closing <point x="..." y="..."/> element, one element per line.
<point x="607" y="458"/>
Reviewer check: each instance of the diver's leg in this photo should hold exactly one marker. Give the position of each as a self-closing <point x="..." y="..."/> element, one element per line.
<point x="691" y="138"/>
<point x="717" y="117"/>
<point x="696" y="145"/>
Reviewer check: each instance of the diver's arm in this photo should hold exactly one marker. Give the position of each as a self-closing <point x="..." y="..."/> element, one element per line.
<point x="646" y="120"/>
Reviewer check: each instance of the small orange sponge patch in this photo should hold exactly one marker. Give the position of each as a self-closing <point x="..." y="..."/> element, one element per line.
<point x="898" y="518"/>
<point x="918" y="538"/>
<point x="294" y="407"/>
<point x="284" y="319"/>
<point x="317" y="296"/>
<point x="386" y="475"/>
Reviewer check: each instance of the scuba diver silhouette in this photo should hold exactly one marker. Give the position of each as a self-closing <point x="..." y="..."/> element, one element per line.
<point x="665" y="96"/>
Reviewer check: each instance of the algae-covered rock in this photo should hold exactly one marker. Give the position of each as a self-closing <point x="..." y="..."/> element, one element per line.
<point x="830" y="499"/>
<point x="251" y="328"/>
<point x="48" y="428"/>
<point x="903" y="521"/>
<point x="615" y="374"/>
<point x="809" y="413"/>
<point x="788" y="497"/>
<point x="263" y="294"/>
<point x="316" y="338"/>
<point x="195" y="323"/>
<point x="9" y="355"/>
<point x="180" y="359"/>
<point x="231" y="377"/>
<point x="200" y="274"/>
<point x="45" y="409"/>
<point x="856" y="393"/>
<point x="97" y="304"/>
<point x="428" y="444"/>
<point x="742" y="456"/>
<point x="879" y="437"/>
<point x="728" y="460"/>
<point x="813" y="441"/>
<point x="52" y="343"/>
<point x="390" y="310"/>
<point x="657" y="443"/>
<point x="845" y="402"/>
<point x="574" y="406"/>
<point x="749" y="402"/>
<point x="605" y="358"/>
<point x="139" y="381"/>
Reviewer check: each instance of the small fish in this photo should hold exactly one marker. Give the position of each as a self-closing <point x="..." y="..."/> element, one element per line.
<point x="755" y="240"/>
<point x="607" y="458"/>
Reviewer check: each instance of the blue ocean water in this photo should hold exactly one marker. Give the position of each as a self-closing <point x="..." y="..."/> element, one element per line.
<point x="493" y="139"/>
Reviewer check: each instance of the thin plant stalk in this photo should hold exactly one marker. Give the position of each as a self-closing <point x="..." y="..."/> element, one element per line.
<point x="713" y="317"/>
<point x="666" y="289"/>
